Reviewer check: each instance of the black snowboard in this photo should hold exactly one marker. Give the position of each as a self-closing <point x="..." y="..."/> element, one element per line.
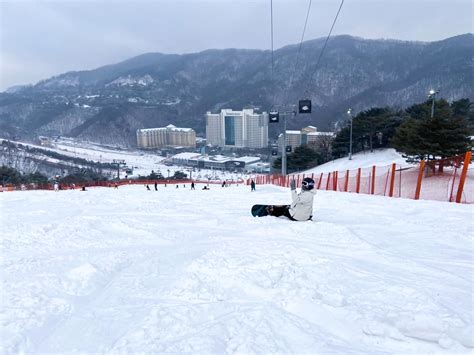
<point x="259" y="210"/>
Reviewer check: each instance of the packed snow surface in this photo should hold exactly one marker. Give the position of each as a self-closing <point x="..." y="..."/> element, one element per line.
<point x="174" y="270"/>
<point x="379" y="157"/>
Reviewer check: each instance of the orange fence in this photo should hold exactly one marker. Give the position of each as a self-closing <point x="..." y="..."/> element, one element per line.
<point x="450" y="179"/>
<point x="50" y="186"/>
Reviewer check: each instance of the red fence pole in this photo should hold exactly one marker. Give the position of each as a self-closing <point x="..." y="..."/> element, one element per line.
<point x="392" y="180"/>
<point x="327" y="183"/>
<point x="346" y="182"/>
<point x="358" y="180"/>
<point x="373" y="180"/>
<point x="420" y="178"/>
<point x="334" y="186"/>
<point x="320" y="180"/>
<point x="467" y="160"/>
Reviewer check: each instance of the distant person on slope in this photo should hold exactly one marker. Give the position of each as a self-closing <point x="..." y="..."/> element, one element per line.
<point x="301" y="209"/>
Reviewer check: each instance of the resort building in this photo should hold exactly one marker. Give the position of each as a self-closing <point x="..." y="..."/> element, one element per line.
<point x="237" y="129"/>
<point x="169" y="136"/>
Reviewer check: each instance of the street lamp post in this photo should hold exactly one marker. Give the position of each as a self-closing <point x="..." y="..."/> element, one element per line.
<point x="432" y="95"/>
<point x="283" y="153"/>
<point x="349" y="113"/>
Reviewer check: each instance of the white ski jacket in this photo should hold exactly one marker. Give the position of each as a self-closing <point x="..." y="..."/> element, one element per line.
<point x="302" y="207"/>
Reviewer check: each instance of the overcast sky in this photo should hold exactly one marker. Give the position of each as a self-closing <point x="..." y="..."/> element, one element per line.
<point x="43" y="38"/>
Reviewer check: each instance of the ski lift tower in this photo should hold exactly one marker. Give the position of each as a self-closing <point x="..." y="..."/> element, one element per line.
<point x="118" y="163"/>
<point x="304" y="107"/>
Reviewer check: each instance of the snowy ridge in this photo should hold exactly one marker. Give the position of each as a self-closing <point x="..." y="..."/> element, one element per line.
<point x="191" y="271"/>
<point x="379" y="157"/>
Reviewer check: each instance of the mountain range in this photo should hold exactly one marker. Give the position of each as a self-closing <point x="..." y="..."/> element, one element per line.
<point x="109" y="103"/>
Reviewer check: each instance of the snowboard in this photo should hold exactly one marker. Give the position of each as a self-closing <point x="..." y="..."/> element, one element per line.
<point x="259" y="210"/>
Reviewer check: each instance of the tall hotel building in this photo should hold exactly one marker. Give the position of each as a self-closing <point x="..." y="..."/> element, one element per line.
<point x="169" y="136"/>
<point x="237" y="129"/>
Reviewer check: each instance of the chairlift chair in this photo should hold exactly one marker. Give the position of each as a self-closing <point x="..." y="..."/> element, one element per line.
<point x="274" y="117"/>
<point x="304" y="106"/>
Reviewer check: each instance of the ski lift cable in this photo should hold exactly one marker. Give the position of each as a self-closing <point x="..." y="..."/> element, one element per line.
<point x="298" y="53"/>
<point x="324" y="47"/>
<point x="271" y="30"/>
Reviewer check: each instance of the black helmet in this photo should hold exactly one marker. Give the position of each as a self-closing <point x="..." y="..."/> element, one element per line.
<point x="307" y="184"/>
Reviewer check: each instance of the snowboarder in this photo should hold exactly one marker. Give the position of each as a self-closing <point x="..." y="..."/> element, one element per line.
<point x="252" y="186"/>
<point x="301" y="209"/>
<point x="205" y="188"/>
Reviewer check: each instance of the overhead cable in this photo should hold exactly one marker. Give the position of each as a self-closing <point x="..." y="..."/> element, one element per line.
<point x="324" y="46"/>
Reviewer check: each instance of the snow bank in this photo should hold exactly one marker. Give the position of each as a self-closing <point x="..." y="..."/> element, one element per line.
<point x="379" y="157"/>
<point x="131" y="270"/>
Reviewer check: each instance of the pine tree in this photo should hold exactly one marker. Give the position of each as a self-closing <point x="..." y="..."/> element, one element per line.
<point x="302" y="158"/>
<point x="444" y="135"/>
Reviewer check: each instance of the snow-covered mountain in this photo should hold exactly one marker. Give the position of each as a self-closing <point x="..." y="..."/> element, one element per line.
<point x="109" y="103"/>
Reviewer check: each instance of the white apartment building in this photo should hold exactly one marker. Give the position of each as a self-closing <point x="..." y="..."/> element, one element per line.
<point x="307" y="135"/>
<point x="237" y="129"/>
<point x="169" y="136"/>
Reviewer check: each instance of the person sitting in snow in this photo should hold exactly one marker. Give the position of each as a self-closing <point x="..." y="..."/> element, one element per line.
<point x="301" y="209"/>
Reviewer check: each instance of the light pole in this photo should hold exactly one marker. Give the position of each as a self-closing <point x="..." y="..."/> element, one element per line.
<point x="432" y="95"/>
<point x="283" y="153"/>
<point x="349" y="113"/>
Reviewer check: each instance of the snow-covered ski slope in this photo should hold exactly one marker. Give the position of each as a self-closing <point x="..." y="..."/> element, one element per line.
<point x="131" y="270"/>
<point x="379" y="157"/>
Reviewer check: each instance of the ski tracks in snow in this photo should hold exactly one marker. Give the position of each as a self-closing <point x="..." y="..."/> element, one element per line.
<point x="130" y="270"/>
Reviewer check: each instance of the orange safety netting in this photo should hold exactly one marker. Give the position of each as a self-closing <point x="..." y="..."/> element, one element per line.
<point x="450" y="179"/>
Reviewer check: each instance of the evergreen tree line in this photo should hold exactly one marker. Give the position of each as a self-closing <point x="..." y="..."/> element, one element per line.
<point x="7" y="145"/>
<point x="11" y="176"/>
<point x="413" y="131"/>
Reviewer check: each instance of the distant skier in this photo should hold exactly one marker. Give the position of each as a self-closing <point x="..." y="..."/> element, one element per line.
<point x="301" y="208"/>
<point x="206" y="188"/>
<point x="156" y="186"/>
<point x="56" y="186"/>
<point x="252" y="186"/>
<point x="148" y="187"/>
<point x="192" y="186"/>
